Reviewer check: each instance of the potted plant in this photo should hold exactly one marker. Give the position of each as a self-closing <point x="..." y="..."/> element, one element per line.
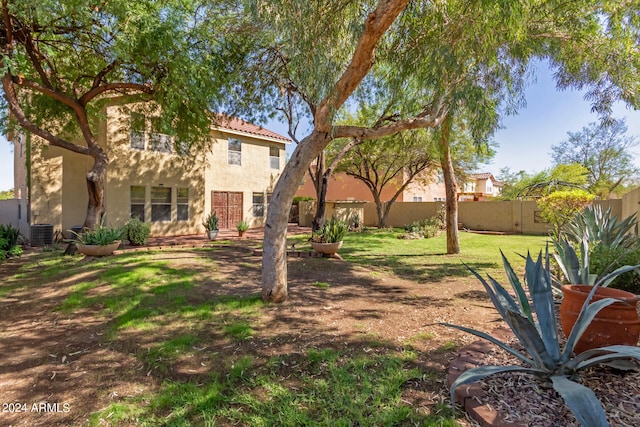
<point x="328" y="240"/>
<point x="242" y="227"/>
<point x="615" y="324"/>
<point x="99" y="242"/>
<point x="532" y="320"/>
<point x="211" y="225"/>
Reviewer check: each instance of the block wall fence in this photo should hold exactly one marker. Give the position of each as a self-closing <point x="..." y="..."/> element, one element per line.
<point x="514" y="216"/>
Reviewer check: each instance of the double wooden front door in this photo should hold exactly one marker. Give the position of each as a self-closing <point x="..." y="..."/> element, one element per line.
<point x="228" y="206"/>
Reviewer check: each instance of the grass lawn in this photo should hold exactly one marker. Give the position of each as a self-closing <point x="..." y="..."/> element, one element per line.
<point x="426" y="259"/>
<point x="181" y="337"/>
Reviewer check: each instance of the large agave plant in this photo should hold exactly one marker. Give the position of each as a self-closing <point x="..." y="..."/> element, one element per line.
<point x="597" y="225"/>
<point x="532" y="319"/>
<point x="576" y="268"/>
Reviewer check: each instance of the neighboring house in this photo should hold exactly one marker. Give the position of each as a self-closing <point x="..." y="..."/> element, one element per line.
<point x="148" y="179"/>
<point x="343" y="187"/>
<point x="479" y="186"/>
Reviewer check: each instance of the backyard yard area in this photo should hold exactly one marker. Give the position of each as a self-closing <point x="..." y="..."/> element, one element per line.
<point x="180" y="336"/>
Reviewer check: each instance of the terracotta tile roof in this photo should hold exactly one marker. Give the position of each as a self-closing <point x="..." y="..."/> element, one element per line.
<point x="486" y="175"/>
<point x="239" y="125"/>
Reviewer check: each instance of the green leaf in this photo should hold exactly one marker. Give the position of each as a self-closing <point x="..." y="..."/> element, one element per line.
<point x="586" y="358"/>
<point x="608" y="278"/>
<point x="586" y="316"/>
<point x="496" y="341"/>
<point x="517" y="287"/>
<point x="481" y="372"/>
<point x="542" y="297"/>
<point x="529" y="337"/>
<point x="582" y="401"/>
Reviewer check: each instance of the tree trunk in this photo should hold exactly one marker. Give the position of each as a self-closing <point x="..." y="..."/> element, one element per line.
<point x="321" y="203"/>
<point x="274" y="256"/>
<point x="451" y="189"/>
<point x="96" y="179"/>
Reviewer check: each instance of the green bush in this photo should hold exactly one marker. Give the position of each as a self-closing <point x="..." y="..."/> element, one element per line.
<point x="9" y="241"/>
<point x="603" y="259"/>
<point x="426" y="228"/>
<point x="136" y="231"/>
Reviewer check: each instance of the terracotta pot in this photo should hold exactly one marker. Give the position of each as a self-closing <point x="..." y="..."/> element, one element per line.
<point x="98" y="250"/>
<point x="327" y="248"/>
<point x="616" y="324"/>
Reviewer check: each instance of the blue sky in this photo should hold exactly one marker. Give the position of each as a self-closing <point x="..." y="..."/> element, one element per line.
<point x="524" y="143"/>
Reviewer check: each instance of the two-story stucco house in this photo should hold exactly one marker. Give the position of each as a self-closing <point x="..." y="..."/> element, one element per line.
<point x="147" y="178"/>
<point x="480" y="186"/>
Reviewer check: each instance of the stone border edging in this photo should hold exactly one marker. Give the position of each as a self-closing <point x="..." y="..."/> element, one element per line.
<point x="469" y="395"/>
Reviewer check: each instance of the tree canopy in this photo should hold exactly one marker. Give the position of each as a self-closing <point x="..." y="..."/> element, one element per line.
<point x="603" y="151"/>
<point x="427" y="59"/>
<point x="61" y="60"/>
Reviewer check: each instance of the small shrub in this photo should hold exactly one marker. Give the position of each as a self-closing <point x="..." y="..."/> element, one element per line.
<point x="426" y="228"/>
<point x="136" y="231"/>
<point x="560" y="207"/>
<point x="242" y="226"/>
<point x="211" y="222"/>
<point x="604" y="259"/>
<point x="9" y="241"/>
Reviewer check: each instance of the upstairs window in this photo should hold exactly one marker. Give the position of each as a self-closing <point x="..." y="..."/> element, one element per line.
<point x="137" y="136"/>
<point x="417" y="198"/>
<point x="160" y="204"/>
<point x="137" y="202"/>
<point x="183" y="204"/>
<point x="159" y="141"/>
<point x="274" y="157"/>
<point x="235" y="152"/>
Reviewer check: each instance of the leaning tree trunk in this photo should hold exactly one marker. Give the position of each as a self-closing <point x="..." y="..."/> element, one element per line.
<point x="96" y="179"/>
<point x="274" y="256"/>
<point x="451" y="189"/>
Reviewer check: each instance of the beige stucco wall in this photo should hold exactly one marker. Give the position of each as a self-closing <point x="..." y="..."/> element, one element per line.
<point x="254" y="174"/>
<point x="343" y="211"/>
<point x="631" y="204"/>
<point x="504" y="216"/>
<point x="58" y="184"/>
<point x="9" y="212"/>
<point x="133" y="167"/>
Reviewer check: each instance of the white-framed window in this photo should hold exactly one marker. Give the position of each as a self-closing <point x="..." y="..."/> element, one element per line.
<point x="235" y="152"/>
<point x="258" y="205"/>
<point x="489" y="187"/>
<point x="182" y="207"/>
<point x="160" y="204"/>
<point x="137" y="131"/>
<point x="469" y="187"/>
<point x="137" y="196"/>
<point x="417" y="198"/>
<point x="159" y="141"/>
<point x="274" y="157"/>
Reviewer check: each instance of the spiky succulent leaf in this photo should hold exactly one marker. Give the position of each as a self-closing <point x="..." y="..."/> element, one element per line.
<point x="521" y="295"/>
<point x="494" y="340"/>
<point x="591" y="357"/>
<point x="606" y="280"/>
<point x="530" y="338"/>
<point x="542" y="297"/>
<point x="582" y="401"/>
<point x="500" y="298"/>
<point x="586" y="316"/>
<point x="481" y="372"/>
<point x="568" y="261"/>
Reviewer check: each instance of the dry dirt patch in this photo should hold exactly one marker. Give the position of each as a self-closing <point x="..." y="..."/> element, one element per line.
<point x="68" y="362"/>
